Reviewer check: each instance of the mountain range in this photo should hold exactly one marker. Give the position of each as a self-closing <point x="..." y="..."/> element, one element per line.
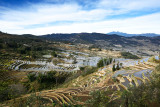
<point x="100" y="38"/>
<point x="108" y="41"/>
<point x="130" y="35"/>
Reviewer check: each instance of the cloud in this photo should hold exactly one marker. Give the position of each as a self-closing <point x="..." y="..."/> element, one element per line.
<point x="143" y="24"/>
<point x="70" y="16"/>
<point x="130" y="5"/>
<point x="49" y="13"/>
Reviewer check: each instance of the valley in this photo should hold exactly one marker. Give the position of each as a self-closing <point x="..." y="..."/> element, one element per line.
<point x="79" y="53"/>
<point x="66" y="73"/>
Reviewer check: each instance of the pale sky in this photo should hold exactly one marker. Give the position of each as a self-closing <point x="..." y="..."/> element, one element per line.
<point x="75" y="16"/>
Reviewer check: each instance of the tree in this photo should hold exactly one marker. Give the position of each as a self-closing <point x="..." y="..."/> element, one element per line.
<point x="100" y="63"/>
<point x="34" y="55"/>
<point x="56" y="77"/>
<point x="104" y="62"/>
<point x="54" y="54"/>
<point x="1" y="46"/>
<point x="74" y="61"/>
<point x="113" y="68"/>
<point x="117" y="68"/>
<point x="110" y="60"/>
<point x="99" y="49"/>
<point x="31" y="77"/>
<point x="128" y="55"/>
<point x="121" y="64"/>
<point x="114" y="61"/>
<point x="108" y="63"/>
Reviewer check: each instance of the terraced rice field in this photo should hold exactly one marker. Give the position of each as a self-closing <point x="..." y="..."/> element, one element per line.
<point x="81" y="87"/>
<point x="66" y="96"/>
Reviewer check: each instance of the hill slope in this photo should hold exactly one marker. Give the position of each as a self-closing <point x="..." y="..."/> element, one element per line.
<point x="105" y="39"/>
<point x="143" y="44"/>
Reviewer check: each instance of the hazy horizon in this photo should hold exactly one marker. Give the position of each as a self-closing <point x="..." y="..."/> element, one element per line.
<point x="110" y="33"/>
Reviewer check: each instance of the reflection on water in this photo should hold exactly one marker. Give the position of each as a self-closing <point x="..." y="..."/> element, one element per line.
<point x="126" y="83"/>
<point x="131" y="62"/>
<point x="157" y="57"/>
<point x="119" y="72"/>
<point x="146" y="72"/>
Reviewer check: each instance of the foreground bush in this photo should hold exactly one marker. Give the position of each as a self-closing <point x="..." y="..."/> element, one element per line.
<point x="32" y="101"/>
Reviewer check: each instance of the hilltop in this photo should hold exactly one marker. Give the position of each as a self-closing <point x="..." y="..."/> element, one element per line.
<point x="135" y="44"/>
<point x="130" y="35"/>
<point x="141" y="44"/>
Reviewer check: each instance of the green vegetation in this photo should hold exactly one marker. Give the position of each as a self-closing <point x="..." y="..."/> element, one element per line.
<point x="4" y="82"/>
<point x="32" y="101"/>
<point x="54" y="54"/>
<point x="117" y="67"/>
<point x="152" y="59"/>
<point x="31" y="77"/>
<point x="74" y="61"/>
<point x="88" y="70"/>
<point x="104" y="62"/>
<point x="84" y="71"/>
<point x="26" y="47"/>
<point x="4" y="92"/>
<point x="128" y="55"/>
<point x="113" y="68"/>
<point x="8" y="89"/>
<point x="48" y="80"/>
<point x="103" y="99"/>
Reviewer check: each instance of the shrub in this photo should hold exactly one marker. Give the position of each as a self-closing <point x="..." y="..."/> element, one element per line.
<point x="104" y="62"/>
<point x="32" y="101"/>
<point x="54" y="54"/>
<point x="117" y="67"/>
<point x="103" y="99"/>
<point x="31" y="77"/>
<point x="129" y="55"/>
<point x="88" y="70"/>
<point x="113" y="68"/>
<point x="46" y="81"/>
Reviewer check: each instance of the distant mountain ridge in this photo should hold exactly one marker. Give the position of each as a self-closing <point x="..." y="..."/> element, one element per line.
<point x="108" y="41"/>
<point x="105" y="40"/>
<point x="130" y="35"/>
